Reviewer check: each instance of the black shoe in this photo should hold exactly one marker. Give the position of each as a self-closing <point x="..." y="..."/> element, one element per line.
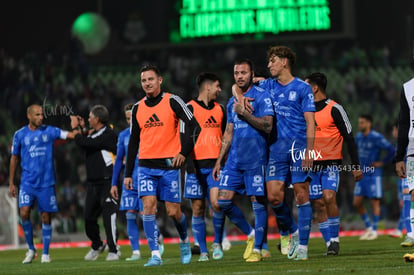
<point x="333" y="249"/>
<point x="195" y="250"/>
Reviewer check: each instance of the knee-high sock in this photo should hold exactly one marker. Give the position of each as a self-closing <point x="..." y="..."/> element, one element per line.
<point x="133" y="230"/>
<point x="218" y="223"/>
<point x="366" y="220"/>
<point x="284" y="218"/>
<point x="334" y="225"/>
<point x="375" y="220"/>
<point x="28" y="233"/>
<point x="260" y="222"/>
<point x="199" y="232"/>
<point x="181" y="226"/>
<point x="406" y="211"/>
<point x="47" y="237"/>
<point x="151" y="231"/>
<point x="235" y="215"/>
<point x="411" y="234"/>
<point x="304" y="222"/>
<point x="324" y="229"/>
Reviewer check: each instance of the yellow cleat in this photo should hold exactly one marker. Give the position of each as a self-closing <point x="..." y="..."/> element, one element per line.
<point x="254" y="257"/>
<point x="409" y="257"/>
<point x="249" y="247"/>
<point x="284" y="244"/>
<point x="408" y="242"/>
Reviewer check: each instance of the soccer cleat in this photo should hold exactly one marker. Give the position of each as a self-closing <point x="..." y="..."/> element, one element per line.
<point x="408" y="242"/>
<point x="112" y="257"/>
<point x="203" y="257"/>
<point x="217" y="252"/>
<point x="226" y="244"/>
<point x="118" y="247"/>
<point x="93" y="254"/>
<point x="396" y="234"/>
<point x="265" y="253"/>
<point x="301" y="255"/>
<point x="254" y="257"/>
<point x="249" y="247"/>
<point x="30" y="256"/>
<point x="134" y="257"/>
<point x="372" y="236"/>
<point x="409" y="257"/>
<point x="293" y="247"/>
<point x="367" y="232"/>
<point x="154" y="261"/>
<point x="185" y="252"/>
<point x="45" y="259"/>
<point x="333" y="249"/>
<point x="284" y="244"/>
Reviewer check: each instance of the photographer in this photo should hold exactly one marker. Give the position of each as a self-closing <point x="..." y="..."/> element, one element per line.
<point x="99" y="144"/>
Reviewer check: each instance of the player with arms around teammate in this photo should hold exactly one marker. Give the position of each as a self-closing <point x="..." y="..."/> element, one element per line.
<point x="155" y="132"/>
<point x="33" y="148"/>
<point x="291" y="154"/>
<point x="370" y="145"/>
<point x="245" y="139"/>
<point x="200" y="184"/>
<point x="332" y="129"/>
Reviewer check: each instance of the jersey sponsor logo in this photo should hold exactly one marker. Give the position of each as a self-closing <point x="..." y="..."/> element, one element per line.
<point x="211" y="123"/>
<point x="153" y="121"/>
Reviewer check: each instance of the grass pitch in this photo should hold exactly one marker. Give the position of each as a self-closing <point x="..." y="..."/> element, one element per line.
<point x="381" y="256"/>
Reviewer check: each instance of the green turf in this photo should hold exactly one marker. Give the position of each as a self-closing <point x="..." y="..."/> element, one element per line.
<point x="382" y="256"/>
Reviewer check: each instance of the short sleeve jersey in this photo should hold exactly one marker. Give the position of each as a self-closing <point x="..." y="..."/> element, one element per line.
<point x="35" y="149"/>
<point x="249" y="147"/>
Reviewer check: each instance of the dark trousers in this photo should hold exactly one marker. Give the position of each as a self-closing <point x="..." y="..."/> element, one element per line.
<point x="99" y="200"/>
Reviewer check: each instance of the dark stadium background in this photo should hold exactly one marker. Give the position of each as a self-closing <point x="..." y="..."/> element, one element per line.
<point x="41" y="62"/>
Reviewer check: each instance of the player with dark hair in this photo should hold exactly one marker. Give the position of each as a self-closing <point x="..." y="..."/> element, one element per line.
<point x="332" y="129"/>
<point x="155" y="132"/>
<point x="370" y="145"/>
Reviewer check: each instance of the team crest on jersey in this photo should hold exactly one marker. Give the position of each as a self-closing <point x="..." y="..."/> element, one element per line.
<point x="211" y="123"/>
<point x="44" y="138"/>
<point x="292" y="95"/>
<point x="153" y="121"/>
<point x="26" y="140"/>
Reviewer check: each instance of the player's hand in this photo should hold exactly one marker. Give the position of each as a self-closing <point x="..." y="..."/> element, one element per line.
<point x="244" y="101"/>
<point x="74" y="122"/>
<point x="400" y="169"/>
<point x="307" y="163"/>
<point x="13" y="190"/>
<point x="258" y="78"/>
<point x="114" y="192"/>
<point x="357" y="174"/>
<point x="128" y="183"/>
<point x="178" y="160"/>
<point x="216" y="171"/>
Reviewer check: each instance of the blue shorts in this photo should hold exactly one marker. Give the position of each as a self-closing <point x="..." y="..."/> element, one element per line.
<point x="369" y="186"/>
<point x="198" y="186"/>
<point x="46" y="198"/>
<point x="248" y="182"/>
<point x="164" y="184"/>
<point x="323" y="180"/>
<point x="285" y="169"/>
<point x="130" y="200"/>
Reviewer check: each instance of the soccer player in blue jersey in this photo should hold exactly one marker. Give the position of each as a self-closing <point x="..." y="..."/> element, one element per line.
<point x="291" y="154"/>
<point x="245" y="139"/>
<point x="370" y="145"/>
<point x="130" y="201"/>
<point x="33" y="148"/>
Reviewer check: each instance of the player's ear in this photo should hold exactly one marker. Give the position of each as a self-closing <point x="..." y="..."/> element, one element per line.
<point x="160" y="79"/>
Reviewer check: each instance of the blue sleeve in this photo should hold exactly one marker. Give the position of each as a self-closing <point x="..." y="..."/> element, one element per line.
<point x="230" y="110"/>
<point x="15" y="150"/>
<point x="120" y="154"/>
<point x="266" y="84"/>
<point x="308" y="103"/>
<point x="386" y="145"/>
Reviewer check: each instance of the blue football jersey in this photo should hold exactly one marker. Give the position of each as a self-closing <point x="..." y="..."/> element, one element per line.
<point x="290" y="102"/>
<point x="249" y="147"/>
<point x="122" y="149"/>
<point x="369" y="151"/>
<point x="35" y="149"/>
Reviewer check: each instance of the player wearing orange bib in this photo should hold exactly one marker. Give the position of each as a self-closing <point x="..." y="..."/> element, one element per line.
<point x="332" y="128"/>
